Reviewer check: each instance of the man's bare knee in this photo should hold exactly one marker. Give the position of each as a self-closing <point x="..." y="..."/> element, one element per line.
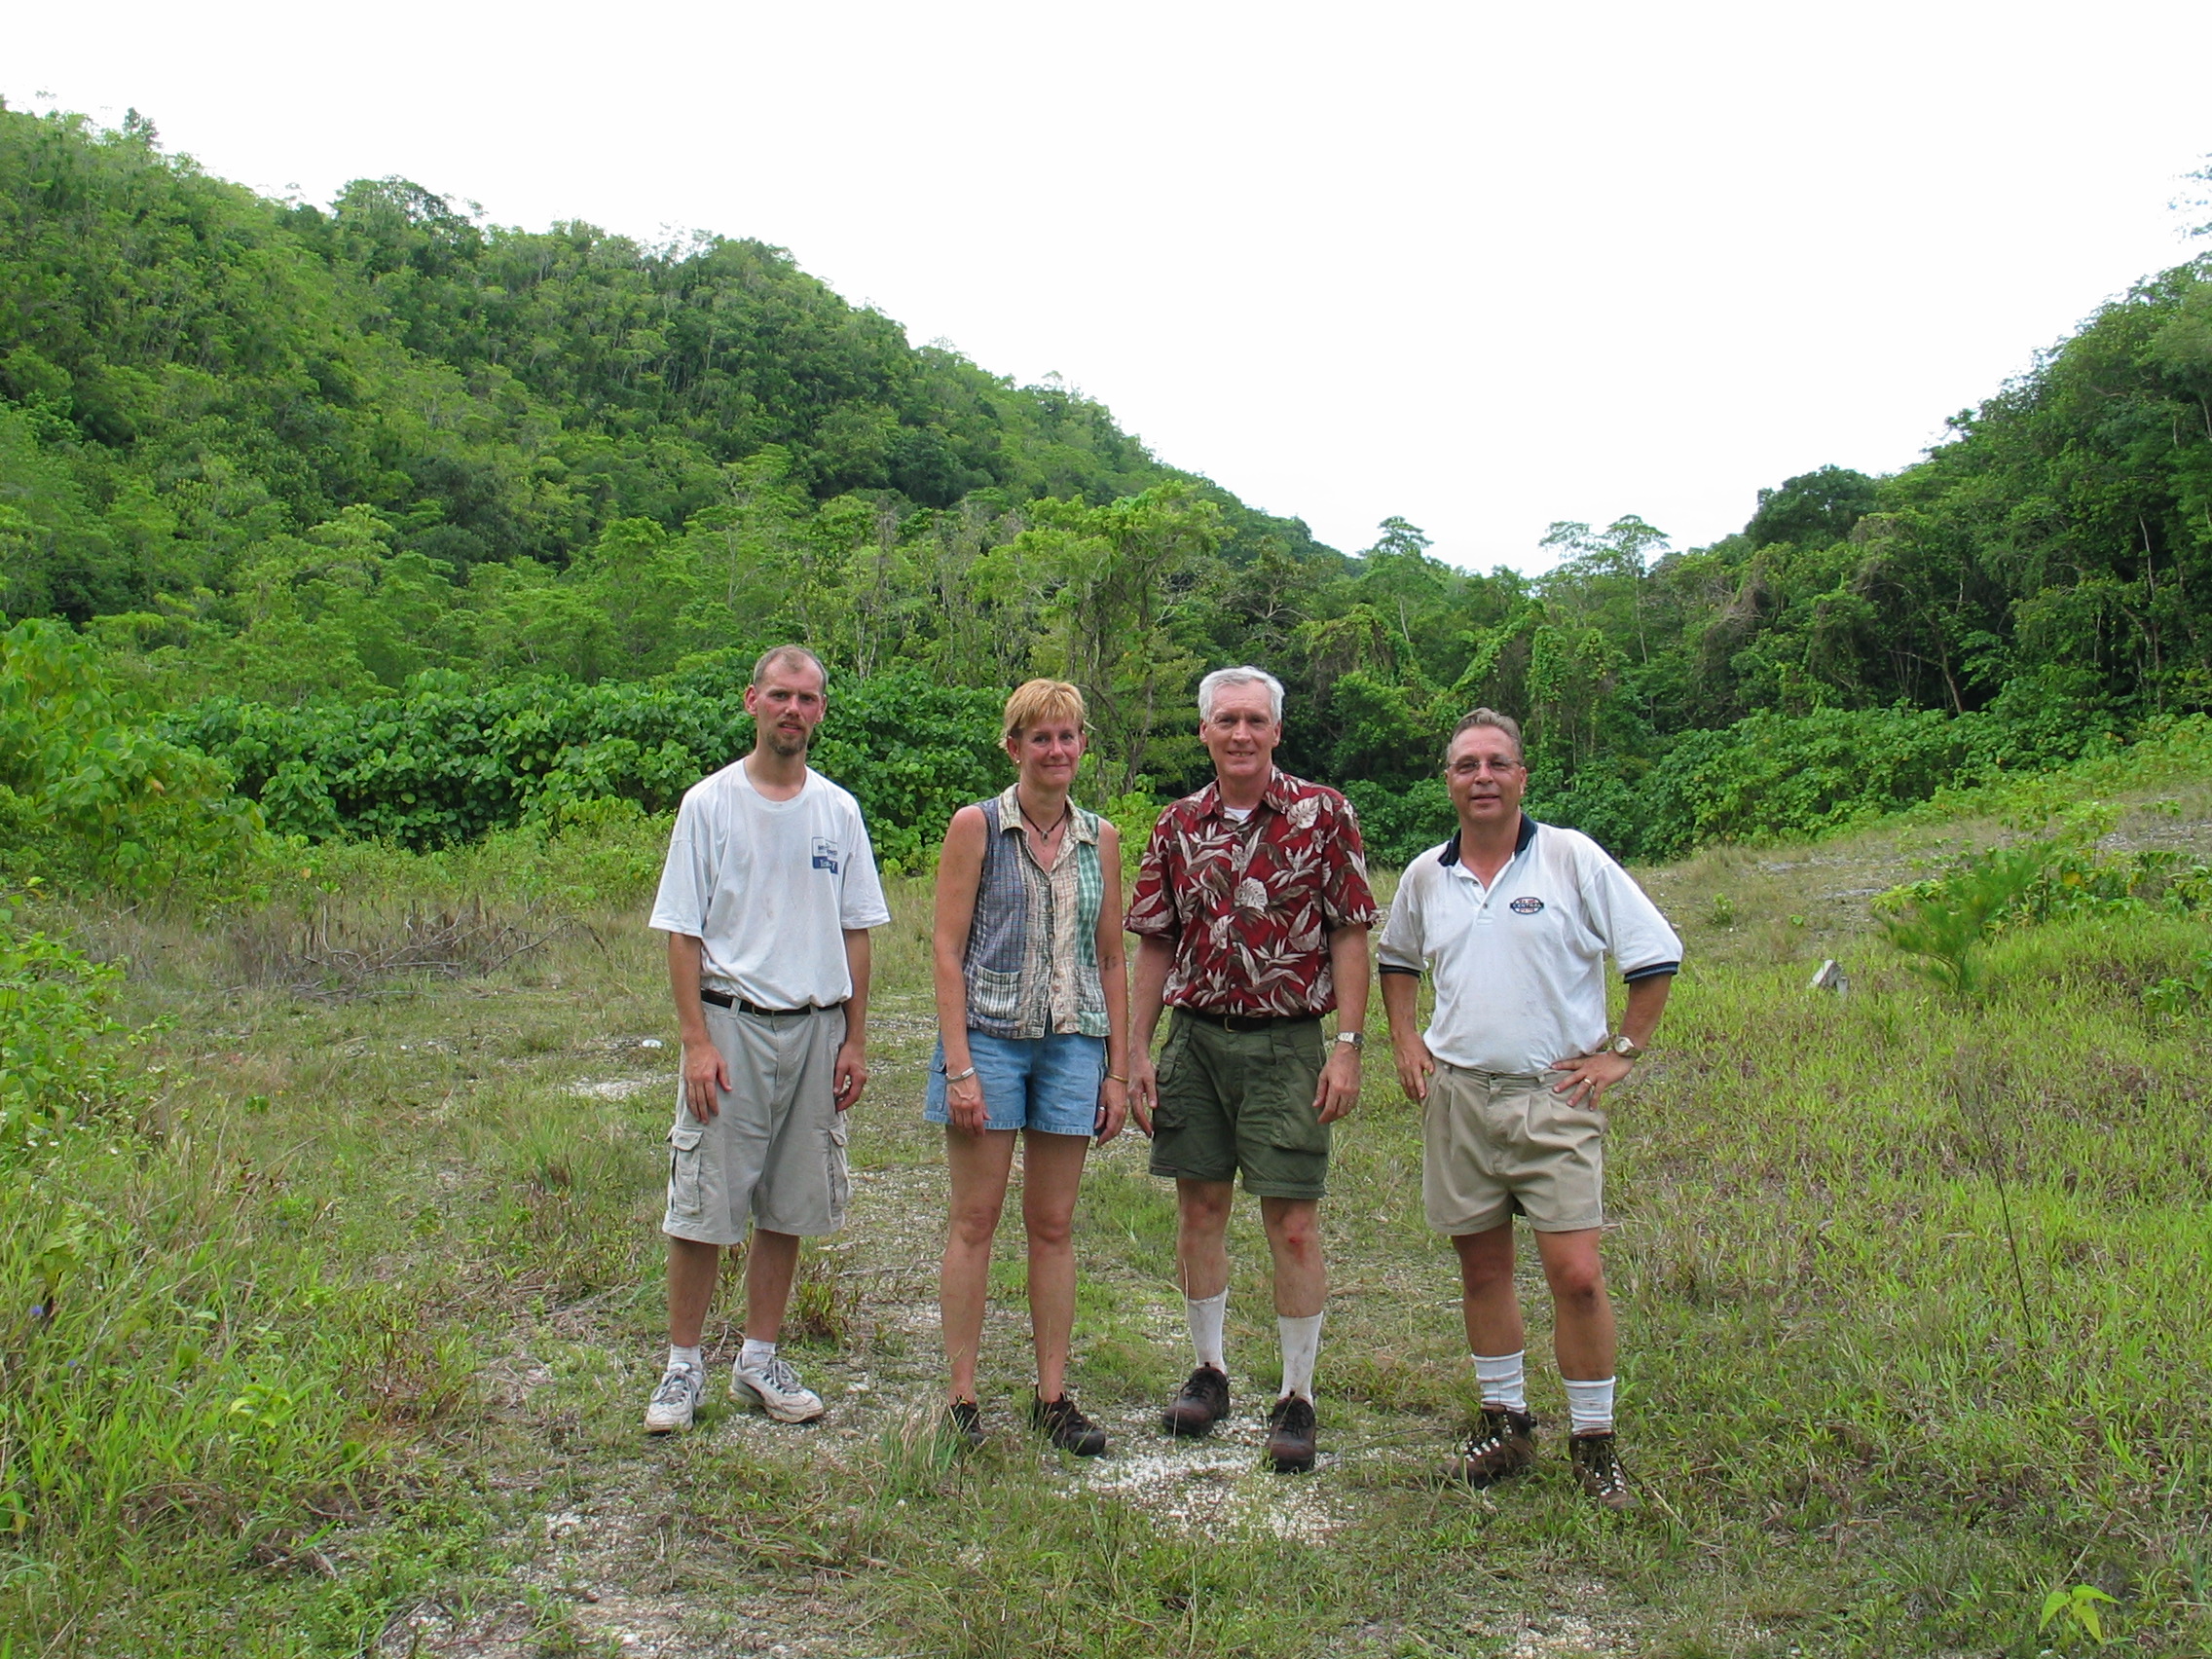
<point x="1581" y="1284"/>
<point x="1295" y="1228"/>
<point x="1205" y="1208"/>
<point x="1485" y="1259"/>
<point x="1576" y="1276"/>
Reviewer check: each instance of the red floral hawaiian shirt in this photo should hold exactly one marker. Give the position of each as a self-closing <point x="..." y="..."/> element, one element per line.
<point x="1250" y="906"/>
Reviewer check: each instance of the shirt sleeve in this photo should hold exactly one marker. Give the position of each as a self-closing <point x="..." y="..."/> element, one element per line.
<point x="1346" y="902"/>
<point x="860" y="902"/>
<point x="688" y="877"/>
<point x="1152" y="912"/>
<point x="1403" y="947"/>
<point x="1634" y="930"/>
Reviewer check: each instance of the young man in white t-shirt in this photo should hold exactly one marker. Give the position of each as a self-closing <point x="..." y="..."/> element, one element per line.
<point x="1514" y="920"/>
<point x="767" y="898"/>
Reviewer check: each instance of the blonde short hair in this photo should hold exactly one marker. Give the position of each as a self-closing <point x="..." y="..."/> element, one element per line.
<point x="1036" y="701"/>
<point x="781" y="656"/>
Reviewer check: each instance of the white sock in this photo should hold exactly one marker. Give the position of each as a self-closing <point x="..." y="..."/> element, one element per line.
<point x="1589" y="1405"/>
<point x="1300" y="1343"/>
<point x="1206" y="1315"/>
<point x="1504" y="1380"/>
<point x="687" y="1357"/>
<point x="754" y="1354"/>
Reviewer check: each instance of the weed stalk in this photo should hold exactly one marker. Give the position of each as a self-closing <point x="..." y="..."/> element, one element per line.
<point x="1969" y="1089"/>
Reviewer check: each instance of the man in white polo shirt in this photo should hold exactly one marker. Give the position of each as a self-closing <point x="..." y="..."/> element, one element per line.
<point x="1514" y="920"/>
<point x="767" y="896"/>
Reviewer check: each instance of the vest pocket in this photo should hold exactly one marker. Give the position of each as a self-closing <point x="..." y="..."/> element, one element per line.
<point x="994" y="995"/>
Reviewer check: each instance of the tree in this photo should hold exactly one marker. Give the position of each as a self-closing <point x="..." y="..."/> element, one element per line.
<point x="1117" y="575"/>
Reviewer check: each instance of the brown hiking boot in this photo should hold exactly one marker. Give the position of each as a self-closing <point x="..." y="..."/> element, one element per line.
<point x="1598" y="1469"/>
<point x="1504" y="1446"/>
<point x="1202" y="1403"/>
<point x="1290" y="1435"/>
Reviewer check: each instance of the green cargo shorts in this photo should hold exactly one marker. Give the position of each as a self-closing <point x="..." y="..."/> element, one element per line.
<point x="1233" y="1101"/>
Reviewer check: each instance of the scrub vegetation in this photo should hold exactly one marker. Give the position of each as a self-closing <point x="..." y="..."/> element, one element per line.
<point x="332" y="1301"/>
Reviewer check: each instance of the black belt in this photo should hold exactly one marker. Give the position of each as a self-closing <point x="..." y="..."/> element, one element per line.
<point x="1234" y="1022"/>
<point x="743" y="1006"/>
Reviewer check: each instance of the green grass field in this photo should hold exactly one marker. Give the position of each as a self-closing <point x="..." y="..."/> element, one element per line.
<point x="342" y="1345"/>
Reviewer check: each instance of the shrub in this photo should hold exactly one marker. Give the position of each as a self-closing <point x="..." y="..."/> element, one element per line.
<point x="444" y="764"/>
<point x="1399" y="825"/>
<point x="58" y="1064"/>
<point x="102" y="796"/>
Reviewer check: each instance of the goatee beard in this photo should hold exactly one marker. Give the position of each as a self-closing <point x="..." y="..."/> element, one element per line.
<point x="782" y="746"/>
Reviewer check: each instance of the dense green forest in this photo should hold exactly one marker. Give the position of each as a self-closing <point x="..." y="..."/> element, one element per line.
<point x="402" y="523"/>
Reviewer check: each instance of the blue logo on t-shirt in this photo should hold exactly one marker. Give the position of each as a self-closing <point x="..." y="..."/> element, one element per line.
<point x="1525" y="906"/>
<point x="825" y="855"/>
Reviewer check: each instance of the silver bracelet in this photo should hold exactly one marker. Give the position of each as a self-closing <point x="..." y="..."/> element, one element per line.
<point x="952" y="1078"/>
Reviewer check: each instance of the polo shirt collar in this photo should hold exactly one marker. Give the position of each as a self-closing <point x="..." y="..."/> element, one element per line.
<point x="1450" y="854"/>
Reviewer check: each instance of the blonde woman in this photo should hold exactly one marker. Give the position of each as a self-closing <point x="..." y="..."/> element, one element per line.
<point x="1032" y="1008"/>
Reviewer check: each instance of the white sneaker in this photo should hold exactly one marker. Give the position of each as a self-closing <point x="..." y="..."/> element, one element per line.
<point x="675" y="1401"/>
<point x="778" y="1389"/>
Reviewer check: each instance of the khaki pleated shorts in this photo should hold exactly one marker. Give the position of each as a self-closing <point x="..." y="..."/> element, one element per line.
<point x="1496" y="1145"/>
<point x="773" y="1154"/>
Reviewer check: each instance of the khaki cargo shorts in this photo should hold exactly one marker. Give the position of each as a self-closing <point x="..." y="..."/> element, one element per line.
<point x="1496" y="1145"/>
<point x="774" y="1154"/>
<point x="1233" y="1101"/>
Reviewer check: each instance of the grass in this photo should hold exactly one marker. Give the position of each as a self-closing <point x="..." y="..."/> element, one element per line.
<point x="352" y="1322"/>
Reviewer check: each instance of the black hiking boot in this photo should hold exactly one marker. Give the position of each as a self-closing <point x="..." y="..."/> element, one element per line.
<point x="1063" y="1423"/>
<point x="964" y="1425"/>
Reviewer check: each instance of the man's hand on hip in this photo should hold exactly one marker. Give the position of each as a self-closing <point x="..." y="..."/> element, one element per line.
<point x="1339" y="1092"/>
<point x="704" y="1079"/>
<point x="850" y="1073"/>
<point x="1589" y="1075"/>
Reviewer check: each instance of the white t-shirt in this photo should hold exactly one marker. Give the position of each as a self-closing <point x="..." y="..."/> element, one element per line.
<point x="769" y="887"/>
<point x="1520" y="965"/>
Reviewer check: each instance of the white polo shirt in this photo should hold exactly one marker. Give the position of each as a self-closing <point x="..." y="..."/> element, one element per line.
<point x="769" y="887"/>
<point x="1520" y="965"/>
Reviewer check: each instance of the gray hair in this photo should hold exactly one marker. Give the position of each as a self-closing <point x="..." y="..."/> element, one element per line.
<point x="1246" y="676"/>
<point x="1496" y="721"/>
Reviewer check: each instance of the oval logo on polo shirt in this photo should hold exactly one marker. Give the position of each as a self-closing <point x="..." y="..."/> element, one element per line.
<point x="1525" y="906"/>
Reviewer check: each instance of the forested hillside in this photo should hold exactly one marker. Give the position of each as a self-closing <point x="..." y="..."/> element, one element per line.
<point x="347" y="497"/>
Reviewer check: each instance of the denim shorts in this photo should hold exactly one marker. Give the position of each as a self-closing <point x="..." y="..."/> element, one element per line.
<point x="1047" y="1083"/>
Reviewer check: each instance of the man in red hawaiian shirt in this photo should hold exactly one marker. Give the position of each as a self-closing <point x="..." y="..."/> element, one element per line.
<point x="1252" y="911"/>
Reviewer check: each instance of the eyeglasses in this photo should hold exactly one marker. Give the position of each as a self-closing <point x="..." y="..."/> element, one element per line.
<point x="1476" y="768"/>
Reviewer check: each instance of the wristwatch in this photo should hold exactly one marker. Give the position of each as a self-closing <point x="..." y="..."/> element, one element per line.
<point x="1626" y="1046"/>
<point x="1357" y="1039"/>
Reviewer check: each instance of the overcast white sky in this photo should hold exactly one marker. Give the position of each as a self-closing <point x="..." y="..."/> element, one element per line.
<point x="1483" y="266"/>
